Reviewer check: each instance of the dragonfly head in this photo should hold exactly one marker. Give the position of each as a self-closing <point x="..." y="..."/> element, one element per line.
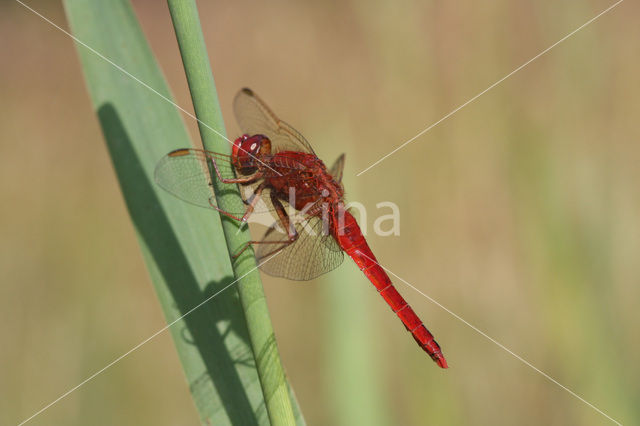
<point x="247" y="151"/>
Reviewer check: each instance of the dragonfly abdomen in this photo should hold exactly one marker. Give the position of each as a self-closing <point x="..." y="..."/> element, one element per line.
<point x="354" y="244"/>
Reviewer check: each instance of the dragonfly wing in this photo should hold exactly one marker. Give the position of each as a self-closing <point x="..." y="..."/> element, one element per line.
<point x="255" y="117"/>
<point x="337" y="168"/>
<point x="185" y="174"/>
<point x="311" y="255"/>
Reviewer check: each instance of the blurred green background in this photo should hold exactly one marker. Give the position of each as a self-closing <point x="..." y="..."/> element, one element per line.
<point x="520" y="213"/>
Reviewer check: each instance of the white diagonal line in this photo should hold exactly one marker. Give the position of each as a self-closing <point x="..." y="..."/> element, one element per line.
<point x="500" y="345"/>
<point x="133" y="77"/>
<point x="136" y="347"/>
<point x="491" y="87"/>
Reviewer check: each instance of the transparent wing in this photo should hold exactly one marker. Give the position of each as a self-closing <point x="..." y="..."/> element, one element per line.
<point x="255" y="117"/>
<point x="337" y="168"/>
<point x="185" y="174"/>
<point x="311" y="255"/>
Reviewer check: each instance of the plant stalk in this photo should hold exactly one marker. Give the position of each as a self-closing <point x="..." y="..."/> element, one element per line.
<point x="195" y="59"/>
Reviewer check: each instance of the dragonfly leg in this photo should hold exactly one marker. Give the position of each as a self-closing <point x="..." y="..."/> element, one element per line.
<point x="253" y="200"/>
<point x="226" y="213"/>
<point x="248" y="179"/>
<point x="284" y="221"/>
<point x="252" y="205"/>
<point x="283" y="244"/>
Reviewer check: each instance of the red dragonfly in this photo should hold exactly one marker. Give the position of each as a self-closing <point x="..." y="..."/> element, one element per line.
<point x="273" y="162"/>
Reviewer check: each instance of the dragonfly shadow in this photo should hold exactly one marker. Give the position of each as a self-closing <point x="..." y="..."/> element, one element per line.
<point x="202" y="327"/>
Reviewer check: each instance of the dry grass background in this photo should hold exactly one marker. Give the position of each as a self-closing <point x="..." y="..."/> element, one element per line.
<point x="520" y="213"/>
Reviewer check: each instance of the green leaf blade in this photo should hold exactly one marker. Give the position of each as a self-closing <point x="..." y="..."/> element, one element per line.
<point x="183" y="246"/>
